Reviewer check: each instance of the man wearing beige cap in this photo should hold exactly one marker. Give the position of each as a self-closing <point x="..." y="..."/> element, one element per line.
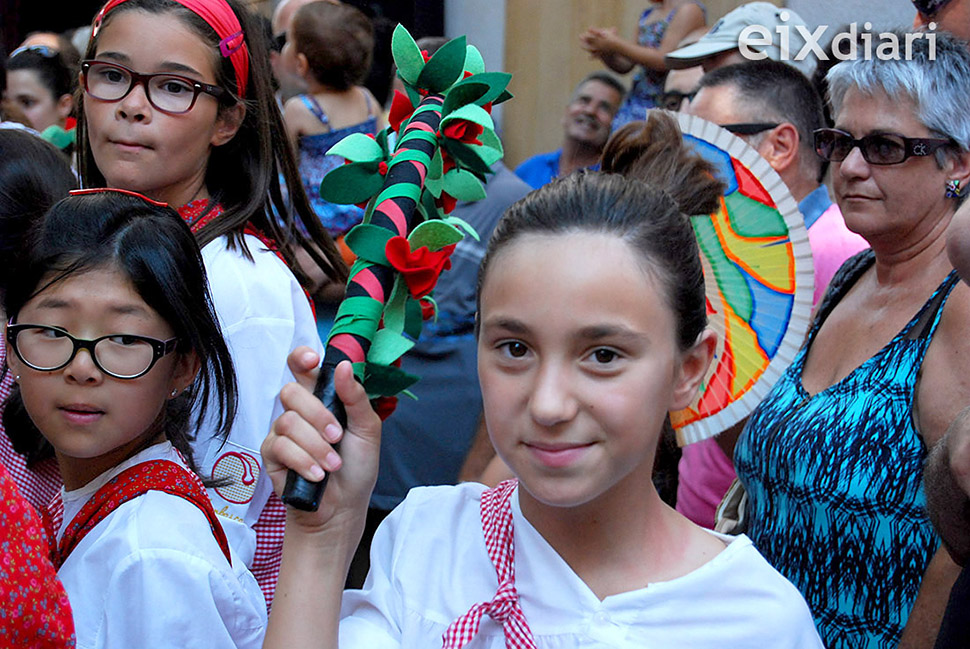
<point x="753" y="31"/>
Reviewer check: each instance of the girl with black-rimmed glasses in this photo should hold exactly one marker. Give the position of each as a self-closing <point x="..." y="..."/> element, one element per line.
<point x="118" y="360"/>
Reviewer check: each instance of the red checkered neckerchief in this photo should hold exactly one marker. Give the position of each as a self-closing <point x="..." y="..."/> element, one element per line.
<point x="504" y="607"/>
<point x="154" y="475"/>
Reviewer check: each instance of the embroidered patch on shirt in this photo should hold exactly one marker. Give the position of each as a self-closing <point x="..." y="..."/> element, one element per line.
<point x="242" y="470"/>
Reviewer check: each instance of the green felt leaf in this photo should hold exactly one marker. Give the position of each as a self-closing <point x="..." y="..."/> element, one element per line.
<point x="413" y="319"/>
<point x="436" y="167"/>
<point x="351" y="183"/>
<point x="504" y="97"/>
<point x="445" y="66"/>
<point x="382" y="139"/>
<point x="408" y="394"/>
<point x="434" y="235"/>
<point x="464" y="225"/>
<point x="471" y="113"/>
<point x="464" y="185"/>
<point x="368" y="242"/>
<point x="357" y="147"/>
<point x="488" y="154"/>
<point x="474" y="62"/>
<point x="434" y="185"/>
<point x="415" y="98"/>
<point x="431" y="209"/>
<point x="394" y="310"/>
<point x="462" y="93"/>
<point x="497" y="83"/>
<point x="388" y="346"/>
<point x="490" y="139"/>
<point x="359" y="370"/>
<point x="407" y="55"/>
<point x="386" y="380"/>
<point x="465" y="156"/>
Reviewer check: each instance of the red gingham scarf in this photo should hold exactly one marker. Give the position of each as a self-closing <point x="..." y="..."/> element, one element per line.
<point x="504" y="607"/>
<point x="155" y="475"/>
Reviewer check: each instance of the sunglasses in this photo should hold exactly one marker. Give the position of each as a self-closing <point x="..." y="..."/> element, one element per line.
<point x="749" y="128"/>
<point x="672" y="99"/>
<point x="930" y="8"/>
<point x="880" y="149"/>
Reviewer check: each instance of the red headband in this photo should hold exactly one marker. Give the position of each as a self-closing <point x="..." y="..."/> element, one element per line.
<point x="218" y="15"/>
<point x="116" y="190"/>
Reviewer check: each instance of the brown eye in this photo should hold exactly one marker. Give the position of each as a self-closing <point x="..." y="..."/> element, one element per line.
<point x="516" y="349"/>
<point x="604" y="355"/>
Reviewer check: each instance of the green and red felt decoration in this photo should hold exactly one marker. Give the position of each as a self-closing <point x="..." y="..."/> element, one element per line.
<point x="444" y="144"/>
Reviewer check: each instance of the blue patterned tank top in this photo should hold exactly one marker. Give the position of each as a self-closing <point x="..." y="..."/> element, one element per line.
<point x="648" y="84"/>
<point x="835" y="501"/>
<point x="314" y="164"/>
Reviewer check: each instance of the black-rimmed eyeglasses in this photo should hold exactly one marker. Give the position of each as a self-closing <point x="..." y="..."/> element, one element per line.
<point x="123" y="356"/>
<point x="879" y="149"/>
<point x="169" y="93"/>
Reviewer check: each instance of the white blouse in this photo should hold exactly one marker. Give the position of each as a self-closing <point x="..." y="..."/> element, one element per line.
<point x="264" y="314"/>
<point x="429" y="565"/>
<point x="151" y="574"/>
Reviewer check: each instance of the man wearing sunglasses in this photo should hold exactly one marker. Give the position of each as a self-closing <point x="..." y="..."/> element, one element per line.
<point x="773" y="107"/>
<point x="949" y="15"/>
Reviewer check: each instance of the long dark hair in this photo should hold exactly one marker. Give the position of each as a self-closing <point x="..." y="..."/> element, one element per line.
<point x="243" y="175"/>
<point x="156" y="251"/>
<point x="33" y="176"/>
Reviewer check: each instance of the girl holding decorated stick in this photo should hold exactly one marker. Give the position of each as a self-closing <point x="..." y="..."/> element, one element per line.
<point x="591" y="326"/>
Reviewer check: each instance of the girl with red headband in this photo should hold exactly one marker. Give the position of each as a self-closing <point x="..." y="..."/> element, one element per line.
<point x="177" y="104"/>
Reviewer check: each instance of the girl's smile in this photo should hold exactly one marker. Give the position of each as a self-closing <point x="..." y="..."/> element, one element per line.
<point x="579" y="366"/>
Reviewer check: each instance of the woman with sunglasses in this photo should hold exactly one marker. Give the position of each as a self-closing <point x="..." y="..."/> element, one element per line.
<point x="832" y="458"/>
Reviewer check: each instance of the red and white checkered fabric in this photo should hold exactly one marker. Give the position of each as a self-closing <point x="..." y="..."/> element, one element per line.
<point x="504" y="607"/>
<point x="269" y="546"/>
<point x="39" y="483"/>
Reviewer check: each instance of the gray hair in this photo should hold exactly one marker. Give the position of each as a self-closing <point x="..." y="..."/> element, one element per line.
<point x="932" y="70"/>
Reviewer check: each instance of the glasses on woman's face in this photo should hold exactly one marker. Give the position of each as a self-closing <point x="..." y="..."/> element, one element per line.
<point x="122" y="356"/>
<point x="878" y="149"/>
<point x="929" y="8"/>
<point x="169" y="93"/>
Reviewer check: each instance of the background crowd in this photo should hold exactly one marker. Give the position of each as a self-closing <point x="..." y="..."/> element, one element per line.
<point x="171" y="272"/>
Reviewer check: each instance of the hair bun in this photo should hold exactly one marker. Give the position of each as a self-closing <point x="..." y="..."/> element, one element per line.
<point x="653" y="151"/>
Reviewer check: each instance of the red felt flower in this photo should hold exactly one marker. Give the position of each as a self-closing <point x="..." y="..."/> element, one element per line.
<point x="401" y="109"/>
<point x="384" y="406"/>
<point x="463" y="131"/>
<point x="446" y="202"/>
<point x="420" y="267"/>
<point x="427" y="309"/>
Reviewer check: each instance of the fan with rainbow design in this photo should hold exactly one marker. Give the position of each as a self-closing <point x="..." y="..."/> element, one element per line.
<point x="758" y="273"/>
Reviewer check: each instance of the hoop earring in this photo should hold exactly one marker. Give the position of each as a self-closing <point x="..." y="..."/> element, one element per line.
<point x="953" y="189"/>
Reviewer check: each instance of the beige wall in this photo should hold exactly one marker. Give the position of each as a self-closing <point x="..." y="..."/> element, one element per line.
<point x="543" y="54"/>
